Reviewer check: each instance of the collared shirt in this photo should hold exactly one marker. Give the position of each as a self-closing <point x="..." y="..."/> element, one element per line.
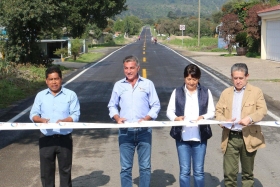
<point x="236" y="109"/>
<point x="134" y="102"/>
<point x="64" y="104"/>
<point x="191" y="112"/>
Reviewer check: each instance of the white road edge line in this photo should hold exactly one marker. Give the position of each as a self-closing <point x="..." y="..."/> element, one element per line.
<point x="215" y="77"/>
<point x="29" y="108"/>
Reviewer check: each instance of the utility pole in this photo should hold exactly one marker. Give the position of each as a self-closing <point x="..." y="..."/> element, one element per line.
<point x="198" y="34"/>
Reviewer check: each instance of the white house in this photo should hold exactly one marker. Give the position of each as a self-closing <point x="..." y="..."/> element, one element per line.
<point x="270" y="33"/>
<point x="49" y="46"/>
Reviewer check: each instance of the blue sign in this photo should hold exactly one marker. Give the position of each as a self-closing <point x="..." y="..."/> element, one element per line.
<point x="4" y="32"/>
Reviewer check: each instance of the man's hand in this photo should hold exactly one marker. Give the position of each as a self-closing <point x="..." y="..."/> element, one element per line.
<point x="118" y="119"/>
<point x="68" y="119"/>
<point x="38" y="119"/>
<point x="121" y="120"/>
<point x="146" y="118"/>
<point x="44" y="120"/>
<point x="229" y="120"/>
<point x="245" y="121"/>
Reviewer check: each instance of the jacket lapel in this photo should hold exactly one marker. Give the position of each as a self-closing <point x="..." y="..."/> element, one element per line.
<point x="230" y="100"/>
<point x="246" y="95"/>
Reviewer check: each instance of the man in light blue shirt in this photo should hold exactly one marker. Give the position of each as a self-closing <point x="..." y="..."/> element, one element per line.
<point x="53" y="105"/>
<point x="138" y="101"/>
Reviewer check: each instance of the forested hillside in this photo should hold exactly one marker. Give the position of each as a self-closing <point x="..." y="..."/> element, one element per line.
<point x="161" y="8"/>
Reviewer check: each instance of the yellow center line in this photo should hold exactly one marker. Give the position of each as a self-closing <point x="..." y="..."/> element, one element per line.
<point x="143" y="52"/>
<point x="144" y="73"/>
<point x="144" y="59"/>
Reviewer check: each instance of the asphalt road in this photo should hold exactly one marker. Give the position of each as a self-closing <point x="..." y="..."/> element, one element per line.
<point x="96" y="154"/>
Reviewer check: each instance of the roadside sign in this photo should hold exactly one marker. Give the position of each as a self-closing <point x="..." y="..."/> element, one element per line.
<point x="182" y="27"/>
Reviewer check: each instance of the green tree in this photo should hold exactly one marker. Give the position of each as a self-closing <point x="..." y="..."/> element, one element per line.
<point x="24" y="21"/>
<point x="253" y="26"/>
<point x="76" y="45"/>
<point x="28" y="21"/>
<point x="171" y="15"/>
<point x="169" y="26"/>
<point x="79" y="13"/>
<point x="132" y="25"/>
<point x="230" y="28"/>
<point x="119" y="25"/>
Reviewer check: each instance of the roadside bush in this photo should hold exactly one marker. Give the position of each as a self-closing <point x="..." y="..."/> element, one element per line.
<point x="7" y="69"/>
<point x="108" y="38"/>
<point x="253" y="54"/>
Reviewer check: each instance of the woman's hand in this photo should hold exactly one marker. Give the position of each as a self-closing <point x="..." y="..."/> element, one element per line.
<point x="200" y="118"/>
<point x="179" y="118"/>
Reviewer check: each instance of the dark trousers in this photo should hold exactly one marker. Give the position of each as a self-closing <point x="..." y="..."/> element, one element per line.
<point x="236" y="150"/>
<point x="60" y="146"/>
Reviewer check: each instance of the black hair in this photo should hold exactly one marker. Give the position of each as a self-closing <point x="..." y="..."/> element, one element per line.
<point x="192" y="70"/>
<point x="53" y="69"/>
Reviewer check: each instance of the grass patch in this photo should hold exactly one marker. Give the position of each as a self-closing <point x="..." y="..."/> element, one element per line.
<point x="20" y="81"/>
<point x="120" y="40"/>
<point x="86" y="58"/>
<point x="206" y="43"/>
<point x="219" y="50"/>
<point x="228" y="55"/>
<point x="253" y="55"/>
<point x="267" y="80"/>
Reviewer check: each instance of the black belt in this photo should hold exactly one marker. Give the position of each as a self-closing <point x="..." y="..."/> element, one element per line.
<point x="56" y="135"/>
<point x="239" y="133"/>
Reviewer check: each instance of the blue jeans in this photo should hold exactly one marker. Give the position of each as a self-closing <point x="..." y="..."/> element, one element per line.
<point x="191" y="151"/>
<point x="129" y="139"/>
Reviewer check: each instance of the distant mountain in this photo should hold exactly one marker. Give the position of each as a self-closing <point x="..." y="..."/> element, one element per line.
<point x="160" y="8"/>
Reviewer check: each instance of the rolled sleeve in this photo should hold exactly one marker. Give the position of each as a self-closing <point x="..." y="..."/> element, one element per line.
<point x="35" y="110"/>
<point x="75" y="108"/>
<point x="154" y="102"/>
<point x="113" y="104"/>
<point x="171" y="109"/>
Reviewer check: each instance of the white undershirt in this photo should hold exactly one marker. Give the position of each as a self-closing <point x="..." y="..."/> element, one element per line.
<point x="191" y="112"/>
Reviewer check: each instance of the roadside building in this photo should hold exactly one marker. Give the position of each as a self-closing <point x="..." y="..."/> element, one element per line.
<point x="270" y="29"/>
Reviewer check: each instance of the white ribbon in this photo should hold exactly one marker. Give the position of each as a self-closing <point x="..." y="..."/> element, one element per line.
<point x="81" y="125"/>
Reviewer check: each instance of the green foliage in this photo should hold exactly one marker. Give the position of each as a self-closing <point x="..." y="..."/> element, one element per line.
<point x="79" y="13"/>
<point x="147" y="9"/>
<point x="217" y="16"/>
<point x="241" y="38"/>
<point x="230" y="28"/>
<point x="171" y="15"/>
<point x="76" y="45"/>
<point x="24" y="21"/>
<point x="63" y="52"/>
<point x="119" y="25"/>
<point x="20" y="81"/>
<point x="87" y="58"/>
<point x="206" y="43"/>
<point x="108" y="38"/>
<point x="171" y="27"/>
<point x="92" y="31"/>
<point x="253" y="54"/>
<point x="132" y="25"/>
<point x="119" y="40"/>
<point x="28" y="21"/>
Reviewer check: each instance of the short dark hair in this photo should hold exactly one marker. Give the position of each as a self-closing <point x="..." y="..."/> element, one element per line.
<point x="239" y="67"/>
<point x="53" y="69"/>
<point x="192" y="70"/>
<point x="131" y="58"/>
